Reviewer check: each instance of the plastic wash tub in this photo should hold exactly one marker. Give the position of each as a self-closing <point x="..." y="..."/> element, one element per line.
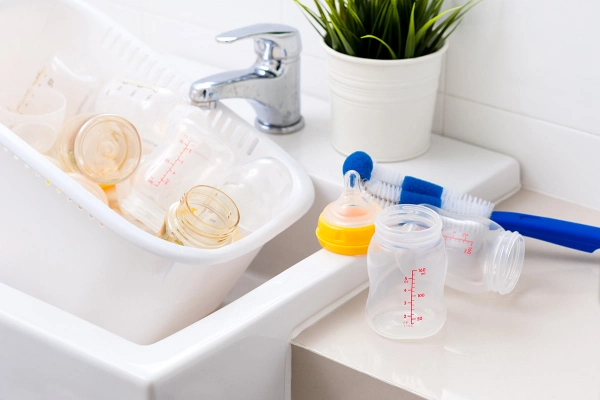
<point x="61" y="245"/>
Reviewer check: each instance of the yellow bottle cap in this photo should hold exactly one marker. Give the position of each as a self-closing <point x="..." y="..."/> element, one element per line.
<point x="345" y="241"/>
<point x="346" y="226"/>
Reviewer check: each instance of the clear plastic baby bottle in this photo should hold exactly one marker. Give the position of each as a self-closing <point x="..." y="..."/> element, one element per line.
<point x="104" y="148"/>
<point x="77" y="76"/>
<point x="260" y="188"/>
<point x="482" y="256"/>
<point x="347" y="225"/>
<point x="147" y="107"/>
<point x="407" y="268"/>
<point x="34" y="117"/>
<point x="189" y="156"/>
<point x="205" y="218"/>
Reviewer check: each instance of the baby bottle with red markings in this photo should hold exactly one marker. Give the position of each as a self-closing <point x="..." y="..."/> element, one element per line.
<point x="407" y="268"/>
<point x="187" y="157"/>
<point x="482" y="256"/>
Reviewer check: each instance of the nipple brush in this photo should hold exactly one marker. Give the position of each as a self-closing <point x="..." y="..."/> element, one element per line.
<point x="389" y="187"/>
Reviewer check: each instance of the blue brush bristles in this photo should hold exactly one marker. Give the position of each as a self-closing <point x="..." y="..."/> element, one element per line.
<point x="389" y="187"/>
<point x="416" y="185"/>
<point x="418" y="198"/>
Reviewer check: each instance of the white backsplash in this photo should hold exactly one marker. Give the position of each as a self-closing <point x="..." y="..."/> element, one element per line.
<point x="521" y="77"/>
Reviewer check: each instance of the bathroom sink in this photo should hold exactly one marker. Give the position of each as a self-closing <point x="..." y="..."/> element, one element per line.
<point x="240" y="351"/>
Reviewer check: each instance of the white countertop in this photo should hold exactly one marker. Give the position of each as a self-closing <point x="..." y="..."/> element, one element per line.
<point x="542" y="341"/>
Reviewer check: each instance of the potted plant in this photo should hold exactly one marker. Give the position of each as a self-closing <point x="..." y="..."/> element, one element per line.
<point x="384" y="59"/>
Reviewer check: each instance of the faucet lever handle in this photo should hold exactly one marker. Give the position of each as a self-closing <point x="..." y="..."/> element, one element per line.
<point x="284" y="40"/>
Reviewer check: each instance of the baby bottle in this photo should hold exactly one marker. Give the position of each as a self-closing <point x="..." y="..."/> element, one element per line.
<point x="105" y="148"/>
<point x="35" y="116"/>
<point x="261" y="189"/>
<point x="407" y="268"/>
<point x="205" y="218"/>
<point x="347" y="225"/>
<point x="145" y="106"/>
<point x="189" y="156"/>
<point x="77" y="76"/>
<point x="482" y="256"/>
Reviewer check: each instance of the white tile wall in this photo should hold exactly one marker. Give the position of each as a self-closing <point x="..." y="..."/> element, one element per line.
<point x="554" y="159"/>
<point x="521" y="77"/>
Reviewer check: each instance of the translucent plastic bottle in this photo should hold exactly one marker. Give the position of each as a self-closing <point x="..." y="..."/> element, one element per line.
<point x="204" y="218"/>
<point x="407" y="268"/>
<point x="346" y="226"/>
<point x="34" y="117"/>
<point x="76" y="75"/>
<point x="104" y="148"/>
<point x="261" y="189"/>
<point x="147" y="107"/>
<point x="189" y="156"/>
<point x="482" y="256"/>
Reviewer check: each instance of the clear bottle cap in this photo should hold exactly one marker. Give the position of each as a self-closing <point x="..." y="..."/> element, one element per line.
<point x="35" y="117"/>
<point x="107" y="148"/>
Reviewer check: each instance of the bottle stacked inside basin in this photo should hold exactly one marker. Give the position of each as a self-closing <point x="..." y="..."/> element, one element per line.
<point x="137" y="148"/>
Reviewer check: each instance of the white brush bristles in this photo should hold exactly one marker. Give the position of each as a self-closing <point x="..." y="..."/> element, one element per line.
<point x="383" y="190"/>
<point x="387" y="194"/>
<point x="386" y="175"/>
<point x="382" y="203"/>
<point x="466" y="204"/>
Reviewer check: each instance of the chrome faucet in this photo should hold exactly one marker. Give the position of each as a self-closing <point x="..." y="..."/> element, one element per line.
<point x="271" y="85"/>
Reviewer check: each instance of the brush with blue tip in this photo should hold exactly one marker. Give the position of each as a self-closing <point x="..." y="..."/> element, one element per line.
<point x="389" y="187"/>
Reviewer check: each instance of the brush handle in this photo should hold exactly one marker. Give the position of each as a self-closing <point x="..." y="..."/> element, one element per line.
<point x="563" y="233"/>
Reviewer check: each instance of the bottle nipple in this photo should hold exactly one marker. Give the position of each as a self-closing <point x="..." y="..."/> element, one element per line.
<point x="347" y="225"/>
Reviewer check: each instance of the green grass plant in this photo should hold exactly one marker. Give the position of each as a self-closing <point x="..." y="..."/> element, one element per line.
<point x="385" y="29"/>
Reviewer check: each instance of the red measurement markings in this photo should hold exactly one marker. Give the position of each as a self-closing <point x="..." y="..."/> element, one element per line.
<point x="187" y="148"/>
<point x="413" y="295"/>
<point x="462" y="239"/>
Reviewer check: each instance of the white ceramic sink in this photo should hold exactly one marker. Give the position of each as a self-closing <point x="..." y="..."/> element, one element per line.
<point x="240" y="351"/>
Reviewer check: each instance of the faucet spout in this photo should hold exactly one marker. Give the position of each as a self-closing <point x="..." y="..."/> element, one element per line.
<point x="271" y="85"/>
<point x="226" y="85"/>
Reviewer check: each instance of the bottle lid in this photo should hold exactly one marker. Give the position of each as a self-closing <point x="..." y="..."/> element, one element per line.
<point x="108" y="149"/>
<point x="347" y="225"/>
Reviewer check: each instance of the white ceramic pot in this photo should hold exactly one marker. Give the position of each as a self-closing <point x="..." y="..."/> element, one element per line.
<point x="383" y="107"/>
